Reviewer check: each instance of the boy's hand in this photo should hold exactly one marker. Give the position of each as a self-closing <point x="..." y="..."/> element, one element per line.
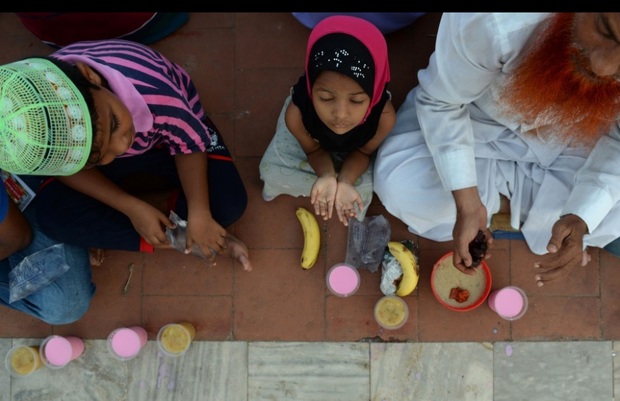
<point x="150" y="223"/>
<point x="205" y="232"/>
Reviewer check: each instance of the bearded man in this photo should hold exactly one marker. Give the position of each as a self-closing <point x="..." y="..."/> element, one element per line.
<point x="520" y="105"/>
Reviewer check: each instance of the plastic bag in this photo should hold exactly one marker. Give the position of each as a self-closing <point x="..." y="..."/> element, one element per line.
<point x="37" y="271"/>
<point x="178" y="240"/>
<point x="390" y="273"/>
<point x="367" y="241"/>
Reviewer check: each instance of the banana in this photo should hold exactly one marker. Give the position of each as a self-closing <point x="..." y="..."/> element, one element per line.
<point x="409" y="264"/>
<point x="312" y="237"/>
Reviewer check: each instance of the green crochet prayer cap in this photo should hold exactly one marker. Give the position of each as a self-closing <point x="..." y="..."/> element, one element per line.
<point x="45" y="125"/>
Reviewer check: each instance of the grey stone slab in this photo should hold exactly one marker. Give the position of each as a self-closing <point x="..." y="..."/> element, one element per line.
<point x="431" y="371"/>
<point x="263" y="371"/>
<point x="5" y="378"/>
<point x="553" y="371"/>
<point x="308" y="371"/>
<point x="208" y="371"/>
<point x="616" y="367"/>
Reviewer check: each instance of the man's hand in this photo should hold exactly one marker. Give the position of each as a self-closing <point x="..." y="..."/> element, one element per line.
<point x="471" y="217"/>
<point x="565" y="248"/>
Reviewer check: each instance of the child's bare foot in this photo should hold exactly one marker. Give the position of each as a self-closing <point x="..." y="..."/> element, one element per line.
<point x="96" y="256"/>
<point x="238" y="250"/>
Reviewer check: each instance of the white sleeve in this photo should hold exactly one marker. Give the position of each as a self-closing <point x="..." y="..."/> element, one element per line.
<point x="470" y="53"/>
<point x="597" y="182"/>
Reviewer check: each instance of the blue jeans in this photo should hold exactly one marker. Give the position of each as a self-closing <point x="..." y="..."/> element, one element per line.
<point x="68" y="297"/>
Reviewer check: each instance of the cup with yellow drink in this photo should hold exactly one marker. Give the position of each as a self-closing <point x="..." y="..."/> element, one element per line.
<point x="391" y="312"/>
<point x="174" y="339"/>
<point x="23" y="360"/>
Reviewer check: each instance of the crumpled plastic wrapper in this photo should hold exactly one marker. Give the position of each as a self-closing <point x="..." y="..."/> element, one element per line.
<point x="390" y="272"/>
<point x="366" y="242"/>
<point x="391" y="269"/>
<point x="177" y="238"/>
<point x="37" y="271"/>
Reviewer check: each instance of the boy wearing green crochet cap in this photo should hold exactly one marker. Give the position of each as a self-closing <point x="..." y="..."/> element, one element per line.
<point x="33" y="100"/>
<point x="27" y="266"/>
<point x="143" y="117"/>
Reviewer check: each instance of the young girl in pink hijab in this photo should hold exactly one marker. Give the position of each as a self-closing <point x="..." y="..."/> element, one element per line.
<point x="333" y="121"/>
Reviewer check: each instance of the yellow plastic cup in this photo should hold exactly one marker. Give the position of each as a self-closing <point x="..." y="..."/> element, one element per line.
<point x="174" y="339"/>
<point x="23" y="360"/>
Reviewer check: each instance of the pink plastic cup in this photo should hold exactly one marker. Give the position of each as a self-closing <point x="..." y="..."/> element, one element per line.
<point x="509" y="303"/>
<point x="126" y="342"/>
<point x="343" y="280"/>
<point x="56" y="351"/>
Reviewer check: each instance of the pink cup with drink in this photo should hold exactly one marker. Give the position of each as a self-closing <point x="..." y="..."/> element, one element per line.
<point x="343" y="280"/>
<point x="126" y="342"/>
<point x="509" y="303"/>
<point x="57" y="351"/>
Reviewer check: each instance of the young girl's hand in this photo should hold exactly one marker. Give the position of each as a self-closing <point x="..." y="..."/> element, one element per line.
<point x="347" y="198"/>
<point x="322" y="196"/>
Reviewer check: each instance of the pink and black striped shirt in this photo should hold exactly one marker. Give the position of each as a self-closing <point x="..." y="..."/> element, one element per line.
<point x="160" y="94"/>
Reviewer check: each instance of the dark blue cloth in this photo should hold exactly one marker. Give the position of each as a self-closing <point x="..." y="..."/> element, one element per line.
<point x="4" y="203"/>
<point x="613" y="247"/>
<point x="74" y="218"/>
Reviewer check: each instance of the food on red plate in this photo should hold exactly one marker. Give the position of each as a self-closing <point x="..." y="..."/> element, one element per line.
<point x="459" y="295"/>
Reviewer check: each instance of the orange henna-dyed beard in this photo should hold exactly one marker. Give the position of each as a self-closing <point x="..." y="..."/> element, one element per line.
<point x="554" y="82"/>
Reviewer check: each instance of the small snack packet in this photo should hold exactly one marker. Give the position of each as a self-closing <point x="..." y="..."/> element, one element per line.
<point x="178" y="240"/>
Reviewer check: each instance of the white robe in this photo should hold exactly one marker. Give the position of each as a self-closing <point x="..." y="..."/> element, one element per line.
<point x="450" y="134"/>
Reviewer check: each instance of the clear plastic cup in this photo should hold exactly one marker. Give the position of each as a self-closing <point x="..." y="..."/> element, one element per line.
<point x="391" y="312"/>
<point x="56" y="351"/>
<point x="174" y="339"/>
<point x="343" y="280"/>
<point x="23" y="360"/>
<point x="125" y="343"/>
<point x="509" y="303"/>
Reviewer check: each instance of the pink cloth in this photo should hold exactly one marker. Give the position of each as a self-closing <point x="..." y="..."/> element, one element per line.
<point x="366" y="33"/>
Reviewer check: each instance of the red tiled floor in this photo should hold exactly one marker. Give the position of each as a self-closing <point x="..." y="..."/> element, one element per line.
<point x="243" y="65"/>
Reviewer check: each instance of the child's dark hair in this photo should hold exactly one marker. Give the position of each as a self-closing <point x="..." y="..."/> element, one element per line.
<point x="85" y="87"/>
